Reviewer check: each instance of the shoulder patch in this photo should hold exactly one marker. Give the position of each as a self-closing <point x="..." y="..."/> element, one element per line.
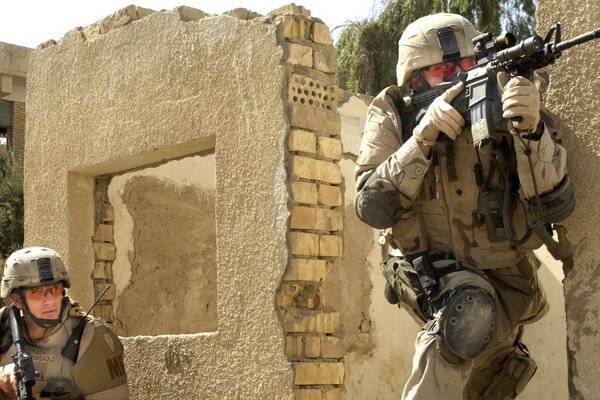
<point x="109" y="341"/>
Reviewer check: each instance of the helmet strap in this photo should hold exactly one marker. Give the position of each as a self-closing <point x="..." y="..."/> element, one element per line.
<point x="46" y="323"/>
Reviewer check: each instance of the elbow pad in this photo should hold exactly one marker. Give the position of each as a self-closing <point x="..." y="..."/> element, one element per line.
<point x="377" y="203"/>
<point x="557" y="204"/>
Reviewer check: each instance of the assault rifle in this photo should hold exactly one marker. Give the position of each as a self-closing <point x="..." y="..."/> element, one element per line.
<point x="25" y="371"/>
<point x="479" y="103"/>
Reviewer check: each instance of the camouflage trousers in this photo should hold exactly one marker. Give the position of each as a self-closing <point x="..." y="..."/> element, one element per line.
<point x="502" y="370"/>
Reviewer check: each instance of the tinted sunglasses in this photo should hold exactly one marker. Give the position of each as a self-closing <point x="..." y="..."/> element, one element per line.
<point x="39" y="292"/>
<point x="447" y="68"/>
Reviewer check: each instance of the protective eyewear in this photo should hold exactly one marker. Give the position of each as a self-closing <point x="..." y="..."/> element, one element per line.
<point x="448" y="68"/>
<point x="39" y="292"/>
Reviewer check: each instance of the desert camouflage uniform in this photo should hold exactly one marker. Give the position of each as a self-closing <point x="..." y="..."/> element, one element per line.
<point x="99" y="372"/>
<point x="439" y="195"/>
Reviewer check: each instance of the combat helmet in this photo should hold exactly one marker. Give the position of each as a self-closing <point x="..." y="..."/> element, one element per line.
<point x="30" y="267"/>
<point x="432" y="39"/>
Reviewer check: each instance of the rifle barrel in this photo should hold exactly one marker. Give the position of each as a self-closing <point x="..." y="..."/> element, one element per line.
<point x="595" y="34"/>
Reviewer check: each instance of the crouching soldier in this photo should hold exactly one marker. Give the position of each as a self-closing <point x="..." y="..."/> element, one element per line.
<point x="70" y="362"/>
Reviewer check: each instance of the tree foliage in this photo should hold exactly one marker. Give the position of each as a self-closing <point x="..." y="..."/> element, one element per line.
<point x="367" y="50"/>
<point x="11" y="204"/>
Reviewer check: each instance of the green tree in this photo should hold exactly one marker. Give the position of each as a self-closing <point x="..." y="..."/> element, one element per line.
<point x="367" y="50"/>
<point x="11" y="204"/>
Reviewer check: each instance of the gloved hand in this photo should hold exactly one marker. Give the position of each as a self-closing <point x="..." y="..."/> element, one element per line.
<point x="520" y="101"/>
<point x="440" y="116"/>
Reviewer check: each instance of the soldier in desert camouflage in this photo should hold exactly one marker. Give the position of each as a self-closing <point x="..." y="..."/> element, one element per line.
<point x="456" y="217"/>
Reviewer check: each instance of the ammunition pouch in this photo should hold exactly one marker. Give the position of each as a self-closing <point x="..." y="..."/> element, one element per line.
<point x="377" y="203"/>
<point x="517" y="370"/>
<point x="403" y="287"/>
<point x="556" y="205"/>
<point x="58" y="389"/>
<point x="490" y="208"/>
<point x="413" y="285"/>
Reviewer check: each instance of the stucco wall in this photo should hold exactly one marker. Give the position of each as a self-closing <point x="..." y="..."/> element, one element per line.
<point x="151" y="90"/>
<point x="165" y="239"/>
<point x="571" y="90"/>
<point x="379" y="337"/>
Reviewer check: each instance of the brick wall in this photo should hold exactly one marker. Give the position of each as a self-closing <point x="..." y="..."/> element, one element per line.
<point x="18" y="132"/>
<point x="103" y="244"/>
<point x="314" y="342"/>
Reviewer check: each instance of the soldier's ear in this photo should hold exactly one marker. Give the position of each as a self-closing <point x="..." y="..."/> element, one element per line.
<point x="15" y="300"/>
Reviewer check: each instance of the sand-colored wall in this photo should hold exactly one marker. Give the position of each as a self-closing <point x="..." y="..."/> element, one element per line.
<point x="571" y="89"/>
<point x="165" y="217"/>
<point x="156" y="89"/>
<point x="379" y="337"/>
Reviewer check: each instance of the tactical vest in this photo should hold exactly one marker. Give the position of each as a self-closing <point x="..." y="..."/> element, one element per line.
<point x="54" y="369"/>
<point x="99" y="365"/>
<point x="460" y="206"/>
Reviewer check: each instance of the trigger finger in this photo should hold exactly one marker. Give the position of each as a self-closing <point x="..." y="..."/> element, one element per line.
<point x="451" y="93"/>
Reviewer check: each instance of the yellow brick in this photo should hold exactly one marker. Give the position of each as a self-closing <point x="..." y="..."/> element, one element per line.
<point x="324" y="60"/>
<point x="299" y="55"/>
<point x="303" y="217"/>
<point x="295" y="28"/>
<point x="320" y="33"/>
<point x="305" y="321"/>
<point x="305" y="269"/>
<point x="104" y="233"/>
<point x="110" y="293"/>
<point x="310" y="168"/>
<point x="316" y="119"/>
<point x="330" y="246"/>
<point x="301" y="140"/>
<point x="304" y="295"/>
<point x="330" y="148"/>
<point x="293" y="346"/>
<point x="312" y="346"/>
<point x="287" y="294"/>
<point x="308" y="373"/>
<point x="329" y="195"/>
<point x="329" y="220"/>
<point x="103" y="311"/>
<point x="306" y="244"/>
<point x="332" y="347"/>
<point x="304" y="192"/>
<point x="308" y="394"/>
<point x="290" y="9"/>
<point x="334" y="394"/>
<point x="104" y="251"/>
<point x="109" y="214"/>
<point x="102" y="270"/>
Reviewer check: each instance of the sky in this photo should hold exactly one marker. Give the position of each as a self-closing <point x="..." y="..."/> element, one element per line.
<point x="31" y="22"/>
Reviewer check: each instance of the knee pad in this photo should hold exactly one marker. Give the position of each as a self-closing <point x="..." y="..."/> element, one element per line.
<point x="467" y="323"/>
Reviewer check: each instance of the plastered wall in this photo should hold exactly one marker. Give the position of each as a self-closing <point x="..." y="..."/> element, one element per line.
<point x="133" y="92"/>
<point x="571" y="88"/>
<point x="111" y="101"/>
<point x="165" y="240"/>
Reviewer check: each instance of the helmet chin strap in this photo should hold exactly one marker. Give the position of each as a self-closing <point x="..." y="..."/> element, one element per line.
<point x="46" y="323"/>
